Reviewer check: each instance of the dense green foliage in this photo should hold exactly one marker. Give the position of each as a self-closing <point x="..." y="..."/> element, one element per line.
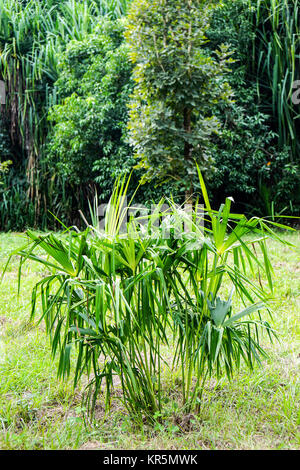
<point x="247" y="156"/>
<point x="5" y="146"/>
<point x="87" y="142"/>
<point x="33" y="35"/>
<point x="68" y="82"/>
<point x="171" y="115"/>
<point x="277" y="58"/>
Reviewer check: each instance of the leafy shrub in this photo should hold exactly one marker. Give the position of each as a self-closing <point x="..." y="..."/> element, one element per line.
<point x="87" y="141"/>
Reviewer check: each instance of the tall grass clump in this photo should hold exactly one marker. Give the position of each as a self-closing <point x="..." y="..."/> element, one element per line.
<point x="139" y="295"/>
<point x="276" y="60"/>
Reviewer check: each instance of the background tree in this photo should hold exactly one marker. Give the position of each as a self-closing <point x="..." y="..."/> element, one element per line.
<point x="177" y="83"/>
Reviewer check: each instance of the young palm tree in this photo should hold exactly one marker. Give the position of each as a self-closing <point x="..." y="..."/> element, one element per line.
<point x="123" y="302"/>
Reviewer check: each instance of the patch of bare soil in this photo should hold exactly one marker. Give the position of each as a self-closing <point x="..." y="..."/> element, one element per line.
<point x="3" y="320"/>
<point x="186" y="423"/>
<point x="51" y="413"/>
<point x="94" y="445"/>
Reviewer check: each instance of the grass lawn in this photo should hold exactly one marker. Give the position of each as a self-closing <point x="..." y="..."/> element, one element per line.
<point x="258" y="410"/>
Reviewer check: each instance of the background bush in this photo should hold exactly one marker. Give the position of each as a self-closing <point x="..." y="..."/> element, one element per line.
<point x="87" y="142"/>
